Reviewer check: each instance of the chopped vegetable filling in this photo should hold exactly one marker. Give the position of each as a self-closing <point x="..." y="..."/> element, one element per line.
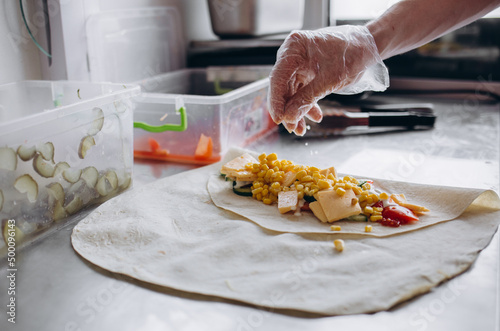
<point x="330" y="198"/>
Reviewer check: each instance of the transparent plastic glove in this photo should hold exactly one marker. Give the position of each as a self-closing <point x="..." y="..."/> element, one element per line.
<point x="313" y="64"/>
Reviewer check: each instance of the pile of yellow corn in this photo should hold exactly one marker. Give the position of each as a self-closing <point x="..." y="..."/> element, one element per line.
<point x="275" y="175"/>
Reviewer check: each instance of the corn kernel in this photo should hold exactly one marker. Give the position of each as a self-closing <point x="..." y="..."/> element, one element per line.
<point x="366" y="186"/>
<point x="314" y="169"/>
<point x="357" y="190"/>
<point x="301" y="174"/>
<point x="339" y="245"/>
<point x="340" y="191"/>
<point x="375" y="218"/>
<point x="324" y="184"/>
<point x="378" y="209"/>
<point x="348" y="185"/>
<point x="384" y="196"/>
<point x="307" y="178"/>
<point x="299" y="187"/>
<point x="264" y="167"/>
<point x="258" y="196"/>
<point x="272" y="157"/>
<point x="267" y="201"/>
<point x="335" y="228"/>
<point x="347" y="178"/>
<point x="331" y="176"/>
<point x="368" y="210"/>
<point x="265" y="192"/>
<point x="300" y="195"/>
<point x="262" y="157"/>
<point x="368" y="228"/>
<point x="354" y="201"/>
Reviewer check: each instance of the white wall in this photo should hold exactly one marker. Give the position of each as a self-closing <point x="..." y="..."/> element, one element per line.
<point x="19" y="57"/>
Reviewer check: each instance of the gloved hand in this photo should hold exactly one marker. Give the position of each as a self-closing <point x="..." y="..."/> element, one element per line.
<point x="313" y="64"/>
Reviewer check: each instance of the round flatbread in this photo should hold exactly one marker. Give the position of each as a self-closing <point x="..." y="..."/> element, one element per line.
<point x="171" y="234"/>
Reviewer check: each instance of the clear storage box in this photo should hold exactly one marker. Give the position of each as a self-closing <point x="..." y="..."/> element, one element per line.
<point x="63" y="146"/>
<point x="224" y="106"/>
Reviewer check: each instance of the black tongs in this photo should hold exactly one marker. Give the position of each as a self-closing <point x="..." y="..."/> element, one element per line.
<point x="339" y="119"/>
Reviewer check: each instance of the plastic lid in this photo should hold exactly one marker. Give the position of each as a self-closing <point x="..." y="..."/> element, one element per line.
<point x="132" y="44"/>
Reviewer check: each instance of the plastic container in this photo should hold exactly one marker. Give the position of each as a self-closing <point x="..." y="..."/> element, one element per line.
<point x="224" y="106"/>
<point x="129" y="44"/>
<point x="251" y="18"/>
<point x="63" y="146"/>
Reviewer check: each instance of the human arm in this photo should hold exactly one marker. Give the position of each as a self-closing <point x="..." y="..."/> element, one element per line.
<point x="412" y="23"/>
<point x="312" y="64"/>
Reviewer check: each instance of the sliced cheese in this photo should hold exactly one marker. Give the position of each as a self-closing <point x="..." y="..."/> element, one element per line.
<point x="236" y="167"/>
<point x="328" y="171"/>
<point x="289" y="178"/>
<point x="287" y="201"/>
<point x="245" y="176"/>
<point x="337" y="207"/>
<point x="400" y="199"/>
<point x="318" y="211"/>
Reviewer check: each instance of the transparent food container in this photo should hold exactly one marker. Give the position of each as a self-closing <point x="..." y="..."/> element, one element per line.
<point x="207" y="111"/>
<point x="63" y="146"/>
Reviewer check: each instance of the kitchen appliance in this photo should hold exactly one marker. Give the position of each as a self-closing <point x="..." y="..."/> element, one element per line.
<point x="251" y="18"/>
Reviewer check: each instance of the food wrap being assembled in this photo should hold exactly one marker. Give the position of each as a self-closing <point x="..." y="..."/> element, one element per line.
<point x="190" y="232"/>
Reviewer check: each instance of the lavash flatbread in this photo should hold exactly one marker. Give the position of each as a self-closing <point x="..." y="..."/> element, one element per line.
<point x="171" y="234"/>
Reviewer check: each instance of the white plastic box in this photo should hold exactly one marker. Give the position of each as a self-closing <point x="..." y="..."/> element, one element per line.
<point x="63" y="146"/>
<point x="226" y="104"/>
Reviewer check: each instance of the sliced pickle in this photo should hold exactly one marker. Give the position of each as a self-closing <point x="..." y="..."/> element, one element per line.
<point x="8" y="159"/>
<point x="98" y="122"/>
<point x="26" y="184"/>
<point x="103" y="186"/>
<point x="85" y="144"/>
<point x="72" y="175"/>
<point x="59" y="212"/>
<point x="56" y="193"/>
<point x="60" y="167"/>
<point x="47" y="151"/>
<point x="43" y="167"/>
<point x="90" y="176"/>
<point x="112" y="178"/>
<point x="74" y="205"/>
<point x="26" y="153"/>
